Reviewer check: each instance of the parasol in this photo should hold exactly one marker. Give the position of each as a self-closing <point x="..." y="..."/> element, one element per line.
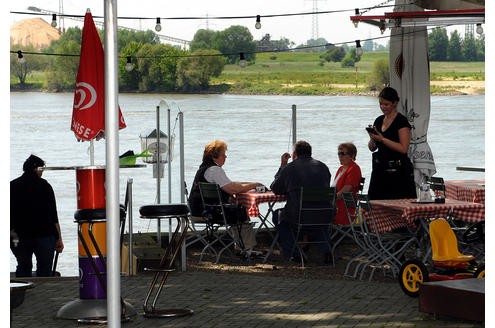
<point x="88" y="113"/>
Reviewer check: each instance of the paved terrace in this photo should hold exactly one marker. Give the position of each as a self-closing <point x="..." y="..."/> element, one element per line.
<point x="225" y="299"/>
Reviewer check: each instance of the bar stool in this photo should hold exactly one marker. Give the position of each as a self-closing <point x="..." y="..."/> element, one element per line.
<point x="168" y="211"/>
<point x="91" y="305"/>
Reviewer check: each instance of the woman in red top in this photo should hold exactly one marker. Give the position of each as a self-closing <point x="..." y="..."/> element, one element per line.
<point x="346" y="179"/>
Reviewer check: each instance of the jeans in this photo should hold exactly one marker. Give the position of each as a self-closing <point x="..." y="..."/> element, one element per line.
<point x="43" y="248"/>
<point x="287" y="230"/>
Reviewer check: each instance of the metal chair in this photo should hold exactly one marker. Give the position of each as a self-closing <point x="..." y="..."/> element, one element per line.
<point x="342" y="231"/>
<point x="390" y="247"/>
<point x="219" y="224"/>
<point x="316" y="213"/>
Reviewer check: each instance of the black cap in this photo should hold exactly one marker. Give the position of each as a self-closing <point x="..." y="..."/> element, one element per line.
<point x="32" y="162"/>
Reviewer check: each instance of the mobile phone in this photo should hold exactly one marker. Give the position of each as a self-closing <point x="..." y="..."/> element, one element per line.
<point x="371" y="130"/>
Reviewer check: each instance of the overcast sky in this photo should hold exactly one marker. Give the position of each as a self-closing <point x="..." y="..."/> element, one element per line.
<point x="334" y="27"/>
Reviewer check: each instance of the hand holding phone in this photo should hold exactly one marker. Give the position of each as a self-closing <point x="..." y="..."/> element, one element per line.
<point x="371" y="130"/>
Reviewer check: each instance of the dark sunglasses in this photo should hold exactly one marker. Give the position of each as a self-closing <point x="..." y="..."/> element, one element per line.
<point x="341" y="153"/>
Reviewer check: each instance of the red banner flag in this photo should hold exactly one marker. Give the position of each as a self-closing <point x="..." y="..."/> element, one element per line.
<point x="88" y="112"/>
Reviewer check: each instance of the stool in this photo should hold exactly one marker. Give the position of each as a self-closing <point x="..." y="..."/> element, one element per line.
<point x="168" y="211"/>
<point x="91" y="306"/>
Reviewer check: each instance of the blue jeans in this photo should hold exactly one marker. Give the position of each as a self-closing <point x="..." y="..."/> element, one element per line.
<point x="287" y="230"/>
<point x="43" y="248"/>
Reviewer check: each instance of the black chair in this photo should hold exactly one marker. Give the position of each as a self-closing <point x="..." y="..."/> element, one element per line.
<point x="167" y="263"/>
<point x="220" y="224"/>
<point x="316" y="214"/>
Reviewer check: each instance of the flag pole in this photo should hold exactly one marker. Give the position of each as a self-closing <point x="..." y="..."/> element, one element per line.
<point x="91" y="152"/>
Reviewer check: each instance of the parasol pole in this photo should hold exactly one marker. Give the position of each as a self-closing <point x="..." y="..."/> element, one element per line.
<point x="91" y="152"/>
<point x="112" y="165"/>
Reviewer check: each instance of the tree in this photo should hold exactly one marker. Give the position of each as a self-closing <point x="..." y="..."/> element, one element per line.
<point x="438" y="41"/>
<point x="317" y="45"/>
<point x="454" y="51"/>
<point x="194" y="72"/>
<point x="480" y="48"/>
<point x="203" y="39"/>
<point x="380" y="75"/>
<point x="124" y="37"/>
<point x="335" y="55"/>
<point x="234" y="40"/>
<point x="469" y="48"/>
<point x="20" y="69"/>
<point x="129" y="80"/>
<point x="157" y="65"/>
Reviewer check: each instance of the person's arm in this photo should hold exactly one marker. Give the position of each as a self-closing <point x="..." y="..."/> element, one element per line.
<point x="60" y="243"/>
<point x="402" y="146"/>
<point x="239" y="187"/>
<point x="278" y="185"/>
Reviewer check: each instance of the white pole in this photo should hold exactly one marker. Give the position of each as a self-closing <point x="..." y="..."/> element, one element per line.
<point x="112" y="165"/>
<point x="182" y="179"/>
<point x="158" y="170"/>
<point x="169" y="160"/>
<point x="294" y="127"/>
<point x="91" y="152"/>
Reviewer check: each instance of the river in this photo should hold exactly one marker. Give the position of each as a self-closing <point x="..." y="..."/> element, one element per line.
<point x="257" y="130"/>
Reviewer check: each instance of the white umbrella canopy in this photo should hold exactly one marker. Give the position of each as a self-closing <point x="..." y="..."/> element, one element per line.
<point x="410" y="76"/>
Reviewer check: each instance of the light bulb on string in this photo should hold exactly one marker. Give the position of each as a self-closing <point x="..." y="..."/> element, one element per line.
<point x="54" y="20"/>
<point x="158" y="26"/>
<point x="382" y="26"/>
<point x="20" y="57"/>
<point x="356" y="22"/>
<point x="258" y="22"/>
<point x="242" y="60"/>
<point x="479" y="28"/>
<point x="129" y="66"/>
<point x="359" y="50"/>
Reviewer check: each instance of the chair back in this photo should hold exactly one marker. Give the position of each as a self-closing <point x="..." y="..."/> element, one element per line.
<point x="350" y="206"/>
<point x="212" y="201"/>
<point x="361" y="184"/>
<point x="437" y="185"/>
<point x="443" y="241"/>
<point x="317" y="205"/>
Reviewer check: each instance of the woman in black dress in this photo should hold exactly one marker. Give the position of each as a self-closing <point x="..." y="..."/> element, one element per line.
<point x="392" y="175"/>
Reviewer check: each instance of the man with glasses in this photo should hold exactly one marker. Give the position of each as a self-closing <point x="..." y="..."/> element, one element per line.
<point x="34" y="227"/>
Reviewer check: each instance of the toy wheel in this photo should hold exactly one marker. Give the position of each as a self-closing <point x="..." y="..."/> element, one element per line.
<point x="411" y="275"/>
<point x="480" y="272"/>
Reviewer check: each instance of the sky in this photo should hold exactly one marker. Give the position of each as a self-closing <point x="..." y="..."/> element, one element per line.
<point x="334" y="27"/>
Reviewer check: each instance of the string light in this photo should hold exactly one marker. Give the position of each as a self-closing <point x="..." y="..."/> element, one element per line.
<point x="382" y="26"/>
<point x="359" y="50"/>
<point x="242" y="60"/>
<point x="258" y="22"/>
<point x="356" y="12"/>
<point x="20" y="57"/>
<point x="54" y="20"/>
<point x="158" y="26"/>
<point x="479" y="28"/>
<point x="129" y="66"/>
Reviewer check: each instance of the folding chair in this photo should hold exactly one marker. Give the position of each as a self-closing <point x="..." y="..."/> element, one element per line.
<point x="219" y="228"/>
<point x="342" y="231"/>
<point x="316" y="214"/>
<point x="389" y="247"/>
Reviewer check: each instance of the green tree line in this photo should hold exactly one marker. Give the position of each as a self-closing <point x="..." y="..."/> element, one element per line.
<point x="455" y="48"/>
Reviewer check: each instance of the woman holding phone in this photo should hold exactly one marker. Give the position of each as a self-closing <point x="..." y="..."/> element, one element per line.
<point x="392" y="175"/>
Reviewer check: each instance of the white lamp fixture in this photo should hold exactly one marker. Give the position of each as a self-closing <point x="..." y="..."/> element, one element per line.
<point x="359" y="50"/>
<point x="54" y="20"/>
<point x="158" y="26"/>
<point x="479" y="29"/>
<point x="356" y="22"/>
<point x="242" y="60"/>
<point x="20" y="57"/>
<point x="258" y="22"/>
<point x="129" y="66"/>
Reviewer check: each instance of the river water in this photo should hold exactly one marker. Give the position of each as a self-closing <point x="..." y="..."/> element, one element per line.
<point x="257" y="130"/>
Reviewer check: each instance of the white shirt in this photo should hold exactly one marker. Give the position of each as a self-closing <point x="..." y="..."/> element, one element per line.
<point x="215" y="174"/>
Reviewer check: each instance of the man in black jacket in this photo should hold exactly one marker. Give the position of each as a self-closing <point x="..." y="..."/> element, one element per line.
<point x="303" y="171"/>
<point x="34" y="226"/>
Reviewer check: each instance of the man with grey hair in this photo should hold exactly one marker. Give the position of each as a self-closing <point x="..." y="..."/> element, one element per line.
<point x="303" y="171"/>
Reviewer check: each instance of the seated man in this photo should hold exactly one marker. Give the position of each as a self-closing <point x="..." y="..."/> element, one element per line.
<point x="211" y="171"/>
<point x="303" y="171"/>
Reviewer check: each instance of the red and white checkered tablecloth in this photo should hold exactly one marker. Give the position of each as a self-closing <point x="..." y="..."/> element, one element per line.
<point x="252" y="199"/>
<point x="391" y="214"/>
<point x="466" y="190"/>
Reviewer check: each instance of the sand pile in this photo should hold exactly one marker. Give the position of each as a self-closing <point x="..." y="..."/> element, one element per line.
<point x="35" y="31"/>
